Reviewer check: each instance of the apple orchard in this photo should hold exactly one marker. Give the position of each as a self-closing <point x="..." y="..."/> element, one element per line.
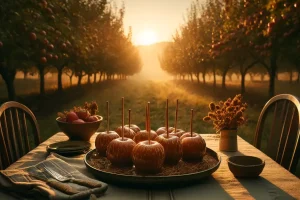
<point x="82" y="38"/>
<point x="241" y="36"/>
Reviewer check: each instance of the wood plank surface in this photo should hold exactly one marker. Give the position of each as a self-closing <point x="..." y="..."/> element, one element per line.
<point x="274" y="182"/>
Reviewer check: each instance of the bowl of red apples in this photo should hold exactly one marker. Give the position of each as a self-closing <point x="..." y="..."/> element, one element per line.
<point x="80" y="123"/>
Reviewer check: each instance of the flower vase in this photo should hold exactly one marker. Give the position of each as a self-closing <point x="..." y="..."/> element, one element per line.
<point x="228" y="140"/>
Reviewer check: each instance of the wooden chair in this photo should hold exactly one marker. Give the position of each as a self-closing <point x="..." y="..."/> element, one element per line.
<point x="278" y="128"/>
<point x="16" y="122"/>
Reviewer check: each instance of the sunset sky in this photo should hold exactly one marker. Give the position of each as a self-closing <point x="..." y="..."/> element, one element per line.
<point x="153" y="20"/>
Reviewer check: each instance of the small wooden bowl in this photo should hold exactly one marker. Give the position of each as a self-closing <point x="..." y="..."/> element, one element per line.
<point x="79" y="131"/>
<point x="245" y="166"/>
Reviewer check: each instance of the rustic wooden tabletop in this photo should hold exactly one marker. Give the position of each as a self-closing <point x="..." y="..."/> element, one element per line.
<point x="275" y="182"/>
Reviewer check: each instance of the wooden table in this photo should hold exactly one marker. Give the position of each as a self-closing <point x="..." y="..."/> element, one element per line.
<point x="274" y="183"/>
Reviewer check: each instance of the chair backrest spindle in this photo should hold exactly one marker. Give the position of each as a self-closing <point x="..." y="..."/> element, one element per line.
<point x="14" y="132"/>
<point x="282" y="139"/>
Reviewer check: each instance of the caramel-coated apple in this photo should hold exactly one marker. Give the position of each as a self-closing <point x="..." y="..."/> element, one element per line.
<point x="172" y="147"/>
<point x="193" y="147"/>
<point x="128" y="133"/>
<point x="103" y="139"/>
<point x="119" y="151"/>
<point x="143" y="135"/>
<point x="178" y="133"/>
<point x="148" y="157"/>
<point x="163" y="130"/>
<point x="133" y="127"/>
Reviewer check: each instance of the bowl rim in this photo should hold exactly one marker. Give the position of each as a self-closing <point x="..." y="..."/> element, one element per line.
<point x="100" y="118"/>
<point x="246" y="166"/>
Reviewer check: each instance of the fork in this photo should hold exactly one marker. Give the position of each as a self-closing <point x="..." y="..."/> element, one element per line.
<point x="62" y="178"/>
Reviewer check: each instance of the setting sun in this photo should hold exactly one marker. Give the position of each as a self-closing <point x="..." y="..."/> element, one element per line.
<point x="146" y="37"/>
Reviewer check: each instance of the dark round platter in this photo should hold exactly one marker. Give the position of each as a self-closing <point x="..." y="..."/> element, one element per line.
<point x="137" y="180"/>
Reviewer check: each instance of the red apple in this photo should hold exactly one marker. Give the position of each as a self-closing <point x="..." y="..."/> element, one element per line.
<point x="1" y="44"/>
<point x="32" y="36"/>
<point x="55" y="57"/>
<point x="43" y="60"/>
<point x="148" y="157"/>
<point x="43" y="33"/>
<point x="163" y="130"/>
<point x="119" y="151"/>
<point x="78" y="121"/>
<point x="50" y="56"/>
<point x="51" y="46"/>
<point x="71" y="116"/>
<point x="143" y="135"/>
<point x="172" y="147"/>
<point x="46" y="42"/>
<point x="103" y="139"/>
<point x="193" y="147"/>
<point x="91" y="119"/>
<point x="64" y="45"/>
<point x="129" y="133"/>
<point x="43" y="51"/>
<point x="133" y="127"/>
<point x="83" y="114"/>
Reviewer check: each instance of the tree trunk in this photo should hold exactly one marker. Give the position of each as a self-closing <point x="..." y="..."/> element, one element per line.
<point x="230" y="77"/>
<point x="224" y="79"/>
<point x="291" y="76"/>
<point x="71" y="80"/>
<point x="9" y="76"/>
<point x="59" y="79"/>
<point x="215" y="78"/>
<point x="203" y="77"/>
<point x="89" y="79"/>
<point x="41" y="69"/>
<point x="95" y="77"/>
<point x="243" y="89"/>
<point x="79" y="79"/>
<point x="25" y="74"/>
<point x="100" y="77"/>
<point x="272" y="73"/>
<point x="197" y="75"/>
<point x="262" y="76"/>
<point x="191" y="77"/>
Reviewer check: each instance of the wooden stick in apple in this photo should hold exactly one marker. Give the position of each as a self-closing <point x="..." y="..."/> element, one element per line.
<point x="176" y="116"/>
<point x="167" y="117"/>
<point x="122" y="118"/>
<point x="149" y="126"/>
<point x="107" y="116"/>
<point x="191" y="123"/>
<point x="129" y="120"/>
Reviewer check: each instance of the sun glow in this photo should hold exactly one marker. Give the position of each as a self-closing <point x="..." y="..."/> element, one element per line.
<point x="146" y="37"/>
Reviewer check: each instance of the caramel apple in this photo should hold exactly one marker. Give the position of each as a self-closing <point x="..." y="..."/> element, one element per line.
<point x="148" y="156"/>
<point x="143" y="134"/>
<point x="177" y="132"/>
<point x="193" y="145"/>
<point x="104" y="138"/>
<point x="162" y="130"/>
<point x="171" y="143"/>
<point x="133" y="127"/>
<point x="128" y="133"/>
<point x="119" y="150"/>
